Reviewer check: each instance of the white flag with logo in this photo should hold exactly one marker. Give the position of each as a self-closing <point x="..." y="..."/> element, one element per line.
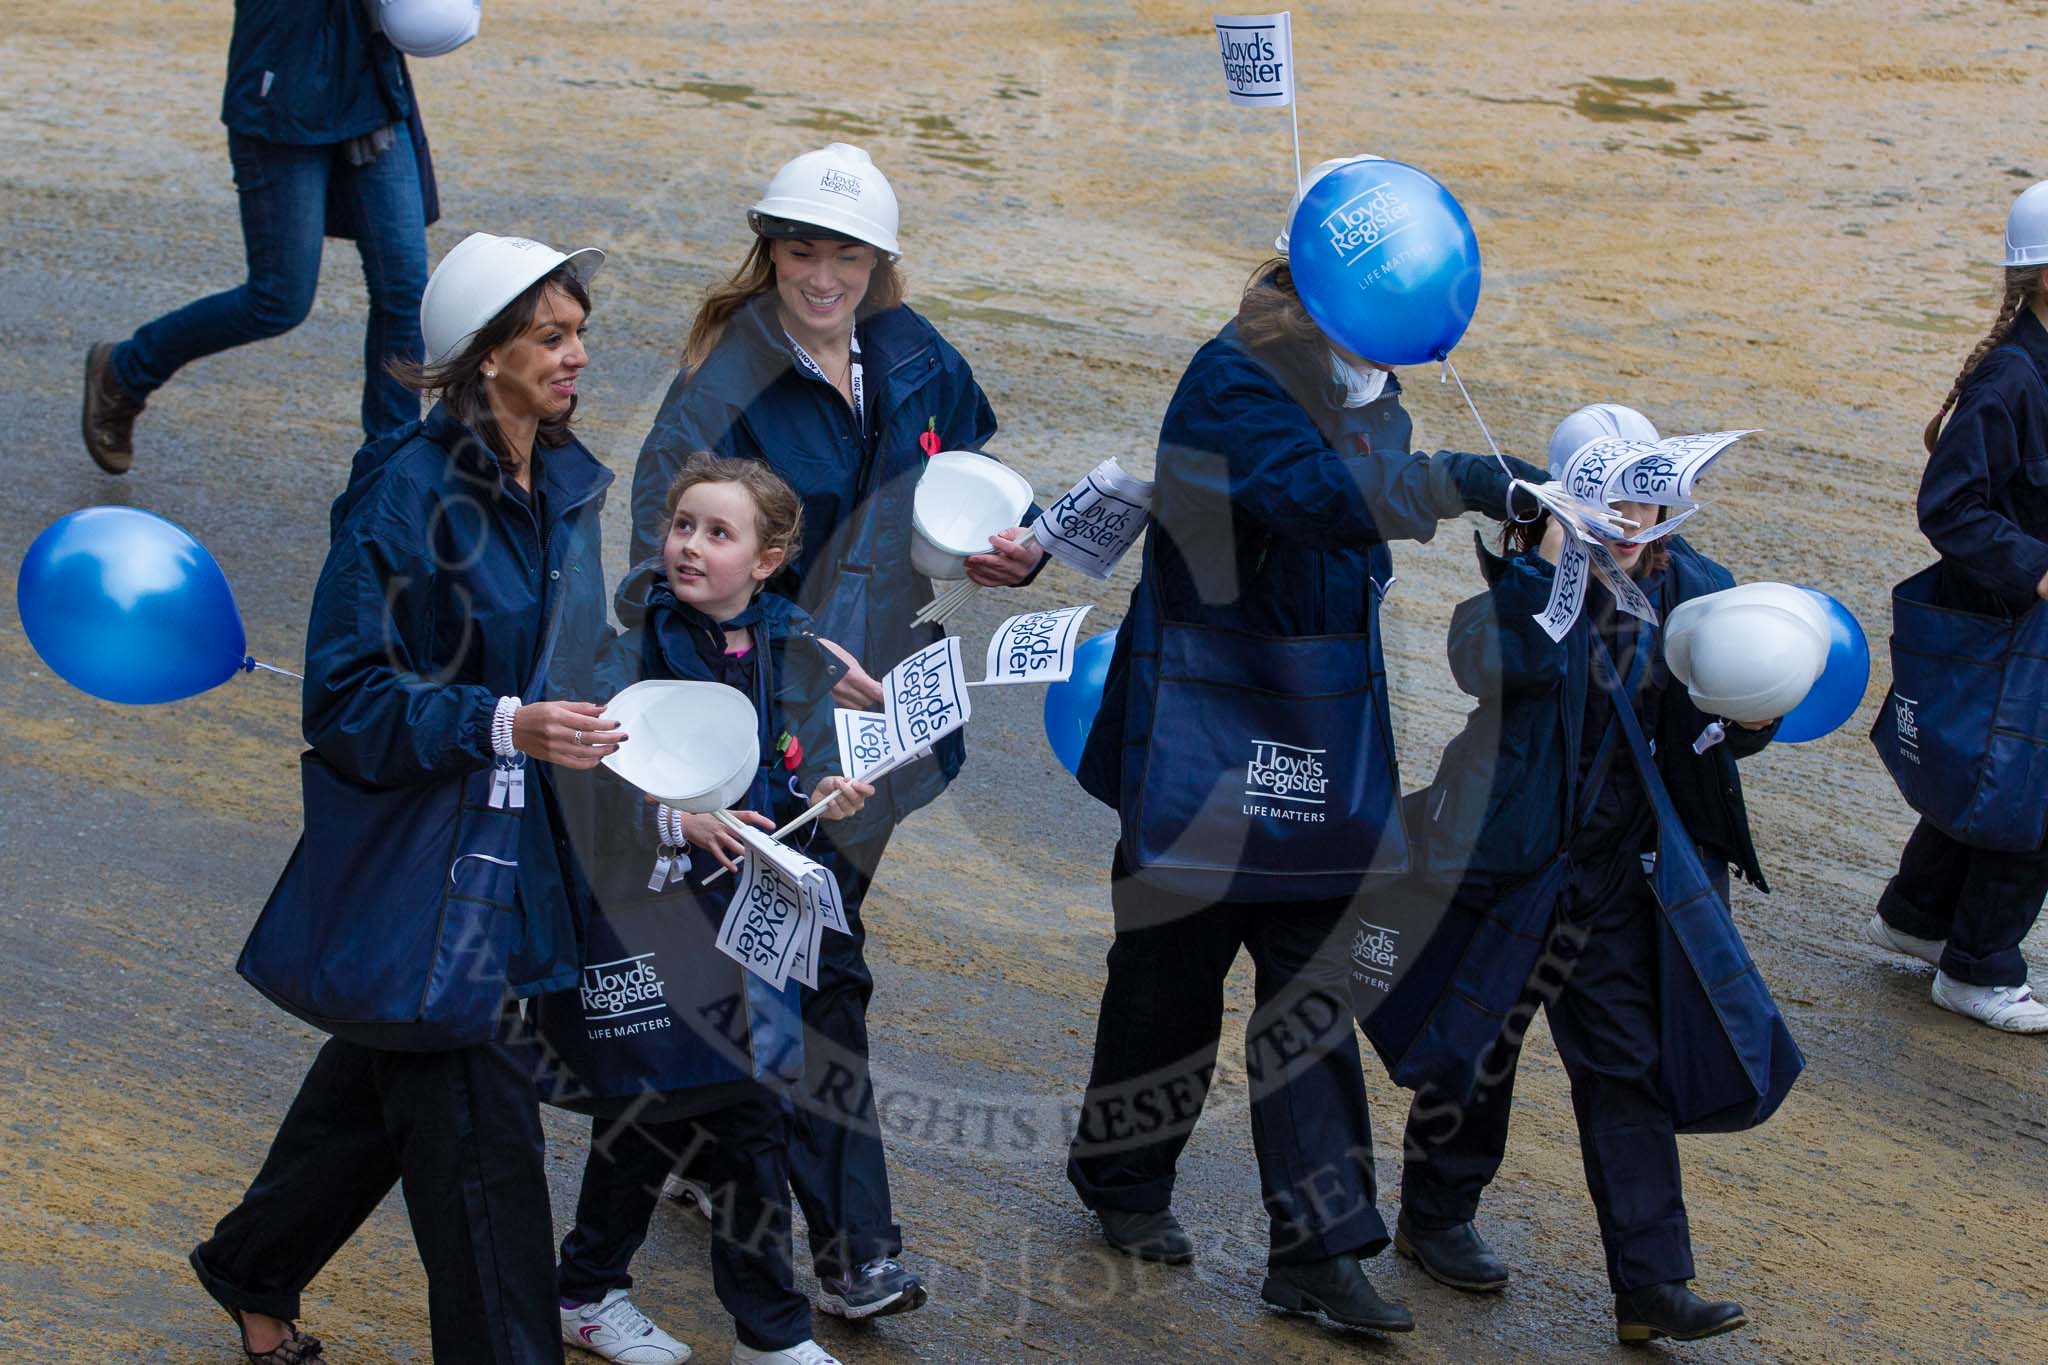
<point x="864" y="742"/>
<point x="926" y="696"/>
<point x="764" y="925"/>
<point x="1258" y="57"/>
<point x="1037" y="646"/>
<point x="1096" y="522"/>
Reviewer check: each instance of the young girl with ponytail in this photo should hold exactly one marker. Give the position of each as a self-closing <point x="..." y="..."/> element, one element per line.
<point x="1984" y="506"/>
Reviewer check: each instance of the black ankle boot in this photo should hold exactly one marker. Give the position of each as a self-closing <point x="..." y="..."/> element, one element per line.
<point x="1458" y="1256"/>
<point x="1336" y="1288"/>
<point x="1672" y="1310"/>
<point x="1147" y="1236"/>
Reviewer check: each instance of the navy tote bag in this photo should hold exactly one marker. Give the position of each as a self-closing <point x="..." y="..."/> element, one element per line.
<point x="1726" y="1059"/>
<point x="1964" y="729"/>
<point x="395" y="928"/>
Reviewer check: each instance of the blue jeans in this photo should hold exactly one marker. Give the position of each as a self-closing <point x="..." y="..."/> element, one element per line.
<point x="284" y="192"/>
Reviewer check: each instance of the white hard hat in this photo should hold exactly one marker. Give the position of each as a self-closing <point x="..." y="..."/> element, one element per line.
<point x="836" y="188"/>
<point x="1749" y="653"/>
<point x="479" y="277"/>
<point x="692" y="745"/>
<point x="1594" y="422"/>
<point x="2026" y="227"/>
<point x="1308" y="182"/>
<point x="428" y="28"/>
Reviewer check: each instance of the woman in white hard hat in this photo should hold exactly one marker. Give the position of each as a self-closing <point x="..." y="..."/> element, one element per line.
<point x="809" y="359"/>
<point x="1252" y="648"/>
<point x="1984" y="507"/>
<point x="1539" y="802"/>
<point x="453" y="628"/>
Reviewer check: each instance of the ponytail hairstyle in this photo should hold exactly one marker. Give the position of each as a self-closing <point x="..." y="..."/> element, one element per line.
<point x="756" y="276"/>
<point x="2022" y="285"/>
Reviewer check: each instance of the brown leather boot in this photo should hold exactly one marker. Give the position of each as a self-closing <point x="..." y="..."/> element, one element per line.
<point x="108" y="421"/>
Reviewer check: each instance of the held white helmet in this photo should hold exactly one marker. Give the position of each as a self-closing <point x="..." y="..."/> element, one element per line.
<point x="1594" y="422"/>
<point x="428" y="28"/>
<point x="479" y="277"/>
<point x="1749" y="653"/>
<point x="2026" y="227"/>
<point x="1308" y="182"/>
<point x="835" y="191"/>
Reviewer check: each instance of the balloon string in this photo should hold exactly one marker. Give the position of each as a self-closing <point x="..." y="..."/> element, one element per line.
<point x="1452" y="371"/>
<point x="250" y="665"/>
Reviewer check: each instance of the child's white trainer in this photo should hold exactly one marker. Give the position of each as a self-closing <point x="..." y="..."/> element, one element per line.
<point x="1928" y="950"/>
<point x="2011" y="1008"/>
<point x="616" y="1330"/>
<point x="803" y="1353"/>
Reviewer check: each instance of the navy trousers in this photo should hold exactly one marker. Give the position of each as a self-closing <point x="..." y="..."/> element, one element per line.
<point x="462" y="1131"/>
<point x="836" y="1163"/>
<point x="741" y="1152"/>
<point x="1604" y="1022"/>
<point x="283" y="192"/>
<point x="1155" y="1057"/>
<point x="1979" y="902"/>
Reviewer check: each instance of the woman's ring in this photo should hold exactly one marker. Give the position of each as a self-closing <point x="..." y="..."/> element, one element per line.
<point x="578" y="736"/>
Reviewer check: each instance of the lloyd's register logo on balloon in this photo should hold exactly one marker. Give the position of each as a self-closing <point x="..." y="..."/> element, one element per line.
<point x="1296" y="777"/>
<point x="624" y="997"/>
<point x="1365" y="220"/>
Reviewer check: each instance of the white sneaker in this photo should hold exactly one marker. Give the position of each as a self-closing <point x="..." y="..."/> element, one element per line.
<point x="803" y="1353"/>
<point x="695" y="1193"/>
<point x="1928" y="950"/>
<point x="2011" y="1008"/>
<point x="618" y="1331"/>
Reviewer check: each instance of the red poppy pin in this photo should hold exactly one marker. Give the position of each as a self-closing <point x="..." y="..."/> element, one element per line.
<point x="928" y="439"/>
<point x="792" y="750"/>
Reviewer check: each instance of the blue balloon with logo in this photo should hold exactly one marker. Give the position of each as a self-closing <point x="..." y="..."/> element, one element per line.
<point x="1386" y="262"/>
<point x="129" y="607"/>
<point x="1839" y="689"/>
<point x="1070" y="706"/>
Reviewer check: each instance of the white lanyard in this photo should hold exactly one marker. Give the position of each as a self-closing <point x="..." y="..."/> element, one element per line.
<point x="854" y="377"/>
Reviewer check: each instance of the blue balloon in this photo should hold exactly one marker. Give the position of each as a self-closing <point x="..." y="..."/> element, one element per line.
<point x="1838" y="691"/>
<point x="1070" y="706"/>
<point x="129" y="607"/>
<point x="1385" y="261"/>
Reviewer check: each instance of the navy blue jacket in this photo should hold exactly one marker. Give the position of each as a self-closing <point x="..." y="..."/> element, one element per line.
<point x="750" y="399"/>
<point x="1272" y="507"/>
<point x="430" y="607"/>
<point x="666" y="638"/>
<point x="1496" y="812"/>
<point x="308" y="72"/>
<point x="1984" y="497"/>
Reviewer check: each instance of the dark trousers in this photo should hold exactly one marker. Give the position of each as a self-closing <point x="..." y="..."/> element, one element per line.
<point x="1978" y="901"/>
<point x="1604" y="1022"/>
<point x="836" y="1163"/>
<point x="461" y="1130"/>
<point x="742" y="1152"/>
<point x="283" y="191"/>
<point x="1155" y="1056"/>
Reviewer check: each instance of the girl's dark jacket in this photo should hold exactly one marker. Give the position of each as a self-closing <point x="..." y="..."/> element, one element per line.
<point x="1496" y="812"/>
<point x="431" y="606"/>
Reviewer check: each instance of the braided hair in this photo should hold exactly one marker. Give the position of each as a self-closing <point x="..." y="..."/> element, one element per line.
<point x="2022" y="283"/>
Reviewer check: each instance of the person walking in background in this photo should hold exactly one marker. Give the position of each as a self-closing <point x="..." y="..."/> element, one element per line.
<point x="1984" y="507"/>
<point x="808" y="359"/>
<point x="326" y="140"/>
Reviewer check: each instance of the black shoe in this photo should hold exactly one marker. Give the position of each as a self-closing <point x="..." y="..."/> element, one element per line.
<point x="878" y="1289"/>
<point x="1147" y="1236"/>
<point x="1458" y="1257"/>
<point x="1336" y="1288"/>
<point x="108" y="419"/>
<point x="1672" y="1310"/>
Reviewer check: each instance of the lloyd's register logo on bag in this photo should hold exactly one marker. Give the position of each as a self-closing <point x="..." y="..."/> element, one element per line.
<point x="1907" y="723"/>
<point x="1295" y="777"/>
<point x="1374" y="951"/>
<point x="623" y="998"/>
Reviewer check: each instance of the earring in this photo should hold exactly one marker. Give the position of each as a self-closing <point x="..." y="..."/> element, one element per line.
<point x="490" y="374"/>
